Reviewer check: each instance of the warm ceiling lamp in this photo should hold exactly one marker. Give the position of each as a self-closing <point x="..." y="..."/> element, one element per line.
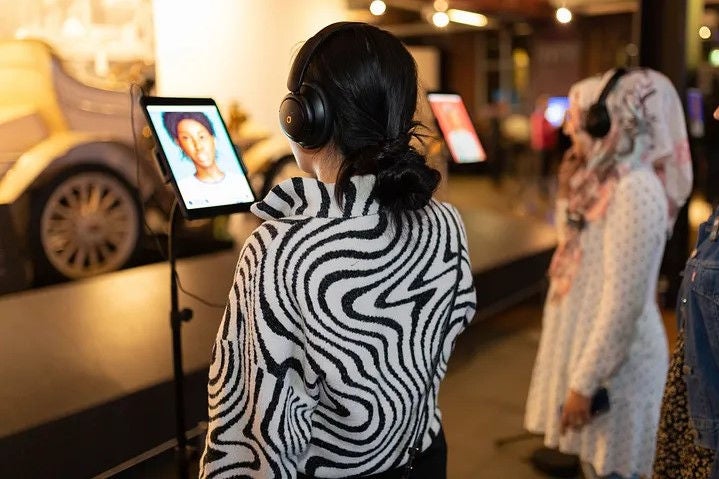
<point x="564" y="15"/>
<point x="705" y="32"/>
<point x="441" y="5"/>
<point x="440" y="19"/>
<point x="467" y="18"/>
<point x="377" y="7"/>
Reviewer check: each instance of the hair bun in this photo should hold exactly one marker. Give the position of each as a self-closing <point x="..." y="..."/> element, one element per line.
<point x="393" y="149"/>
<point x="405" y="182"/>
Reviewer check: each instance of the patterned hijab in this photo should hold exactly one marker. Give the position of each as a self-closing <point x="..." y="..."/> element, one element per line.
<point x="648" y="129"/>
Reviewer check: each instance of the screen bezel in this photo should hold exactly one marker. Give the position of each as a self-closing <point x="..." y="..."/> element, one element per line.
<point x="429" y="94"/>
<point x="204" y="212"/>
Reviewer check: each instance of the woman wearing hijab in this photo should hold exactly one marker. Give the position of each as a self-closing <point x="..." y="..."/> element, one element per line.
<point x="602" y="329"/>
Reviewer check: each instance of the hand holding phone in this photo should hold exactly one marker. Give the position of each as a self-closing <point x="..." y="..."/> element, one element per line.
<point x="581" y="410"/>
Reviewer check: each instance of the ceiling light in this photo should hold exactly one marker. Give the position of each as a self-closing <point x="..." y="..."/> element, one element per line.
<point x="440" y="19"/>
<point x="564" y="15"/>
<point x="705" y="32"/>
<point x="467" y="18"/>
<point x="441" y="5"/>
<point x="377" y="7"/>
<point x="714" y="57"/>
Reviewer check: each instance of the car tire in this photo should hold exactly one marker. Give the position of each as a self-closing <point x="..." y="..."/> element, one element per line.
<point x="84" y="222"/>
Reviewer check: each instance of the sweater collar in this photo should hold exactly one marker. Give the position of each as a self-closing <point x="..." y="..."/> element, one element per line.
<point x="311" y="197"/>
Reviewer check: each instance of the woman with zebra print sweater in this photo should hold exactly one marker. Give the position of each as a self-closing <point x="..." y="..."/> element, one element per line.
<point x="348" y="299"/>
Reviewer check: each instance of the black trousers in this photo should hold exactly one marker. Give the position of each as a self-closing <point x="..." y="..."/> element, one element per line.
<point x="429" y="464"/>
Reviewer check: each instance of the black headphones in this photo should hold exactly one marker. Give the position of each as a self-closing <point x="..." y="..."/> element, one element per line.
<point x="597" y="122"/>
<point x="305" y="115"/>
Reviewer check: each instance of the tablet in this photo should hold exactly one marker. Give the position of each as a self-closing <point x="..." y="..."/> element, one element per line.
<point x="196" y="153"/>
<point x="456" y="127"/>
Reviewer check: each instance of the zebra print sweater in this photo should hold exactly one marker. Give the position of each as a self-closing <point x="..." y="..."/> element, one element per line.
<point x="324" y="355"/>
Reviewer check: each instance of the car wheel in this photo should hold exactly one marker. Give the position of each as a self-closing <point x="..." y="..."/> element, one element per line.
<point x="84" y="223"/>
<point x="283" y="169"/>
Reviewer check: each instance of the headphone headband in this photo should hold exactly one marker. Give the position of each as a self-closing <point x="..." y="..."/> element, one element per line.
<point x="305" y="113"/>
<point x="299" y="67"/>
<point x="611" y="83"/>
<point x="598" y="121"/>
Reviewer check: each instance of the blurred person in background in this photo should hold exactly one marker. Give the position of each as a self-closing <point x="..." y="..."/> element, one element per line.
<point x="618" y="197"/>
<point x="688" y="439"/>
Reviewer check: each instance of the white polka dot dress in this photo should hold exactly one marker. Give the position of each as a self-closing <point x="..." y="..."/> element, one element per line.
<point x="607" y="331"/>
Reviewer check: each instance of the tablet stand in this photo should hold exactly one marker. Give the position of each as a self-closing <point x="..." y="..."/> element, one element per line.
<point x="177" y="316"/>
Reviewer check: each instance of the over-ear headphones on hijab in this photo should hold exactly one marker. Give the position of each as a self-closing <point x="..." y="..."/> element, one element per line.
<point x="597" y="121"/>
<point x="305" y="114"/>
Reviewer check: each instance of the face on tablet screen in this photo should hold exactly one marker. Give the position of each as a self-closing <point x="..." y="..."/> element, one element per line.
<point x="202" y="159"/>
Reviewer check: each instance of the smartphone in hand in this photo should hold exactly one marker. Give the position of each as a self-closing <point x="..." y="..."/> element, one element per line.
<point x="600" y="402"/>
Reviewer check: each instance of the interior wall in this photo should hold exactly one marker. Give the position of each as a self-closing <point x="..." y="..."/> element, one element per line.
<point x="235" y="49"/>
<point x="604" y="42"/>
<point x="428" y="66"/>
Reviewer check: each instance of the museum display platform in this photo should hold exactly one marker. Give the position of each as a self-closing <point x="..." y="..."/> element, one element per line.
<point x="87" y="366"/>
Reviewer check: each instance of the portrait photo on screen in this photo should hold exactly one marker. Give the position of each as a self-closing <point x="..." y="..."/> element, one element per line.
<point x="456" y="127"/>
<point x="204" y="165"/>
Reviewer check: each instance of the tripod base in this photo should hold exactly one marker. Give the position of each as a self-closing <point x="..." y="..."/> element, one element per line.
<point x="185" y="457"/>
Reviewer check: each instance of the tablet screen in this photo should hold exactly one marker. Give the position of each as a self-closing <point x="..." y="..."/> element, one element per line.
<point x="204" y="166"/>
<point x="456" y="127"/>
<point x="556" y="110"/>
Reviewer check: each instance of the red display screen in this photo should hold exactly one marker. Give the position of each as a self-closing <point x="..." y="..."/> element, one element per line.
<point x="456" y="127"/>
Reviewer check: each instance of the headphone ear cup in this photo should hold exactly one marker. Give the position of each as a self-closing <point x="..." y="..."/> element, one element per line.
<point x="320" y="124"/>
<point x="293" y="116"/>
<point x="597" y="122"/>
<point x="305" y="117"/>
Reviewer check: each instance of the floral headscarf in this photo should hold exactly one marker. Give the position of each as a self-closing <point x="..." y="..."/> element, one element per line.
<point x="648" y="128"/>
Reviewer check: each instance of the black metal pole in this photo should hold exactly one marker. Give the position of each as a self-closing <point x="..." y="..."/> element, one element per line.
<point x="663" y="47"/>
<point x="177" y="316"/>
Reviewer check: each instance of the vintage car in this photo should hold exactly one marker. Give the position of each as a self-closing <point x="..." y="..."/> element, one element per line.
<point x="77" y="187"/>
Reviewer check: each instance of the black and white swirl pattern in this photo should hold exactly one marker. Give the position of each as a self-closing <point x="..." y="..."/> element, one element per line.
<point x="323" y="360"/>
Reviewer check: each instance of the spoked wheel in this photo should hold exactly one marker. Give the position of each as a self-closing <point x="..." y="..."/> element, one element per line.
<point x="85" y="223"/>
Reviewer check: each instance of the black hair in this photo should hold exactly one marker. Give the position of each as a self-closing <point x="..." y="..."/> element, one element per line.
<point x="173" y="118"/>
<point x="370" y="81"/>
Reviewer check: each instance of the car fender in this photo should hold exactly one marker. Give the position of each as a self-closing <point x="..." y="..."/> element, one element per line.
<point x="41" y="163"/>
